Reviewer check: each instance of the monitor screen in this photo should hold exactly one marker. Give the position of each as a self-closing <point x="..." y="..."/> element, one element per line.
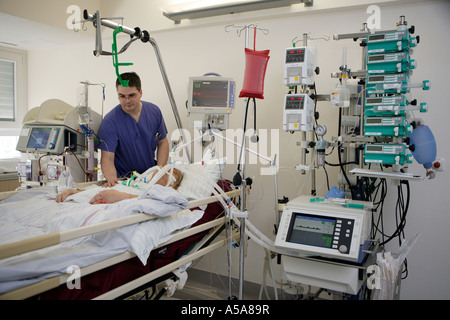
<point x="210" y="92"/>
<point x="311" y="230"/>
<point x="39" y="138"/>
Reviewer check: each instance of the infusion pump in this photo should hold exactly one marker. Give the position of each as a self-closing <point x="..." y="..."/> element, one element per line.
<point x="298" y="66"/>
<point x="332" y="228"/>
<point x="298" y="112"/>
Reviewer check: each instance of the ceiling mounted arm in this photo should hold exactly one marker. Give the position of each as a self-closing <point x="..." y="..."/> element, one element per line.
<point x="144" y="36"/>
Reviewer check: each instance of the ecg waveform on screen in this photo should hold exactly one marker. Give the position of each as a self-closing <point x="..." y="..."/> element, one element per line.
<point x="300" y="226"/>
<point x="312" y="225"/>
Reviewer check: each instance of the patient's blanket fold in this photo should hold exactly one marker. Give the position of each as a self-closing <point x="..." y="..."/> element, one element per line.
<point x="35" y="212"/>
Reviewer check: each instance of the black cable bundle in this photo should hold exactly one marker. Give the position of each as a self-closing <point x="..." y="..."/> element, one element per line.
<point x="237" y="179"/>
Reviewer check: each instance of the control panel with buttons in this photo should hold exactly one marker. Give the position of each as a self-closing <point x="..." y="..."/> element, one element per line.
<point x="204" y="121"/>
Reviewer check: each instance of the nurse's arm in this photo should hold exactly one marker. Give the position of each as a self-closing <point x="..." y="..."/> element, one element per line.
<point x="163" y="152"/>
<point x="108" y="168"/>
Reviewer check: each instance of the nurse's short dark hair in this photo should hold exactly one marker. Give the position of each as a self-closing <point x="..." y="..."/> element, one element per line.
<point x="133" y="80"/>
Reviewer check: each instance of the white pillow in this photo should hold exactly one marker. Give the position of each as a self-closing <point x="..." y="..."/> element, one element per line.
<point x="193" y="188"/>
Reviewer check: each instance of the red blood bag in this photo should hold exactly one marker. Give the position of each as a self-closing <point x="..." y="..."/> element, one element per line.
<point x="255" y="71"/>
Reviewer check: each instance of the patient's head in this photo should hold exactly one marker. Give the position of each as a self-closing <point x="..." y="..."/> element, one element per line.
<point x="175" y="182"/>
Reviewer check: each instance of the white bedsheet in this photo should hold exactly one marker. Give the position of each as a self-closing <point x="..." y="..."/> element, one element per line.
<point x="35" y="212"/>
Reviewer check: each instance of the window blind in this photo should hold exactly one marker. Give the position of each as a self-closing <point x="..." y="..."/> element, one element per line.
<point x="7" y="96"/>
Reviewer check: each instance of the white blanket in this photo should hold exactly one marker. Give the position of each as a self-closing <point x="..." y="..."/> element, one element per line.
<point x="35" y="212"/>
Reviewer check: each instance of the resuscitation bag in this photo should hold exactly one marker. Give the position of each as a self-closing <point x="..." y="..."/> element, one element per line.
<point x="255" y="71"/>
<point x="424" y="146"/>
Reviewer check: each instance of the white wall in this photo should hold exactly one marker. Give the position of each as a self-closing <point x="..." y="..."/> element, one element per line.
<point x="195" y="50"/>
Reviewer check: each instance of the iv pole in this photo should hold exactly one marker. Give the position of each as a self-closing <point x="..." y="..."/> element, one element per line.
<point x="211" y="133"/>
<point x="243" y="239"/>
<point x="144" y="36"/>
<point x="243" y="185"/>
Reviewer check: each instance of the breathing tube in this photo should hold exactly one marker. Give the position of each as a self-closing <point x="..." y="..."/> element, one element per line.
<point x="216" y="190"/>
<point x="252" y="231"/>
<point x="150" y="179"/>
<point x="257" y="236"/>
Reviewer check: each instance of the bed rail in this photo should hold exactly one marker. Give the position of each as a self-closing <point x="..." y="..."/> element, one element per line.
<point x="36" y="243"/>
<point x="119" y="291"/>
<point x="51" y="283"/>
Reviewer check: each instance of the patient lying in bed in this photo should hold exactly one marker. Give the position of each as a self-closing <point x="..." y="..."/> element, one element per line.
<point x="35" y="213"/>
<point x="171" y="179"/>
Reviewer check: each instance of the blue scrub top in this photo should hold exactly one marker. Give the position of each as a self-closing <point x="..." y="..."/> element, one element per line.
<point x="133" y="143"/>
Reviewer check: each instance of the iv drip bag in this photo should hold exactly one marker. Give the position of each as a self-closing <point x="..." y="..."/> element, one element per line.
<point x="82" y="106"/>
<point x="255" y="71"/>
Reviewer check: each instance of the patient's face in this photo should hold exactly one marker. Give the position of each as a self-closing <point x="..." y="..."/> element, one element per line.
<point x="164" y="179"/>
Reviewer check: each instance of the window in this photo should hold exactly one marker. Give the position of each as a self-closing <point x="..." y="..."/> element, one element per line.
<point x="13" y="98"/>
<point x="7" y="90"/>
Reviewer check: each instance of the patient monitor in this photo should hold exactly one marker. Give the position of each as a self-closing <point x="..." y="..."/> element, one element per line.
<point x="210" y="102"/>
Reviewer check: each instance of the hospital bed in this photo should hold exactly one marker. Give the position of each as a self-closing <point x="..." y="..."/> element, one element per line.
<point x="8" y="174"/>
<point x="116" y="274"/>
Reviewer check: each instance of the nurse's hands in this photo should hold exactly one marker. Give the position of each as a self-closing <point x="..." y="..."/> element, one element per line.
<point x="110" y="183"/>
<point x="110" y="196"/>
